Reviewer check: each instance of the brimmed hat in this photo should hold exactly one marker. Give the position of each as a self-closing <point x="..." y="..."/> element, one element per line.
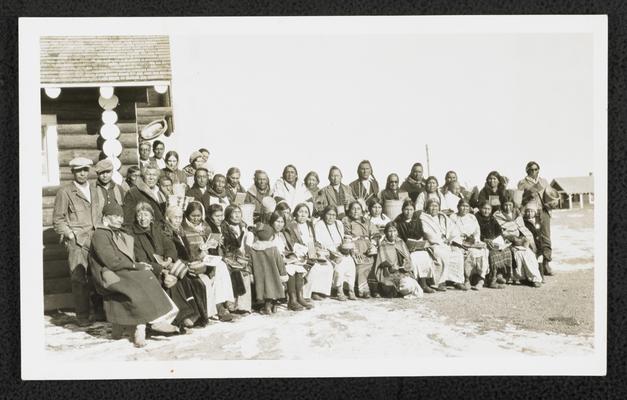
<point x="80" y="162"/>
<point x="113" y="209"/>
<point x="194" y="156"/>
<point x="154" y="129"/>
<point x="104" y="165"/>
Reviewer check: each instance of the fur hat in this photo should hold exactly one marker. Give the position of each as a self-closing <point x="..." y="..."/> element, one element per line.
<point x="113" y="209"/>
<point x="264" y="232"/>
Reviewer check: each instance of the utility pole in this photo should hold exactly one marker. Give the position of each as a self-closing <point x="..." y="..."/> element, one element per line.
<point x="428" y="161"/>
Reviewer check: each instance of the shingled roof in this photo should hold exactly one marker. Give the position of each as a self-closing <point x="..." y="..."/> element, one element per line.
<point x="104" y="59"/>
<point x="574" y="184"/>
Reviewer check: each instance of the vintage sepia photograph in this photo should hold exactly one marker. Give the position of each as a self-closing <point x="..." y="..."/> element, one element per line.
<point x="346" y="196"/>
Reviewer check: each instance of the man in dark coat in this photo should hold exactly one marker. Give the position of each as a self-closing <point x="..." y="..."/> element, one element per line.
<point x="145" y="190"/>
<point x="107" y="191"/>
<point x="201" y="179"/>
<point x="414" y="184"/>
<point x="75" y="218"/>
<point x="366" y="186"/>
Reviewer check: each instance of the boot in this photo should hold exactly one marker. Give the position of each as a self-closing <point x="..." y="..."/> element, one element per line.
<point x="267" y="307"/>
<point x="340" y="293"/>
<point x="223" y="313"/>
<point x="423" y="285"/>
<point x="548" y="271"/>
<point x="316" y="297"/>
<point x="99" y="314"/>
<point x="139" y="337"/>
<point x="441" y="287"/>
<point x="460" y="286"/>
<point x="80" y="295"/>
<point x="478" y="285"/>
<point x="117" y="331"/>
<point x="299" y="292"/>
<point x="351" y="295"/>
<point x="292" y="303"/>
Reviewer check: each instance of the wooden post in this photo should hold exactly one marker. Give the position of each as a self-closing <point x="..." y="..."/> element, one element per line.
<point x="570" y="201"/>
<point x="580" y="200"/>
<point x="590" y="198"/>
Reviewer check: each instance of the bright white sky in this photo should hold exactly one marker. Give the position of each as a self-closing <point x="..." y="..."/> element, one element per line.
<point x="481" y="102"/>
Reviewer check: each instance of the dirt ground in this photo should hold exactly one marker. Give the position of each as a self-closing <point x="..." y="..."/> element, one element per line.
<point x="557" y="318"/>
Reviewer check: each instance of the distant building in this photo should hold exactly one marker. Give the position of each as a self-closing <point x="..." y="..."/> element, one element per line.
<point x="97" y="93"/>
<point x="575" y="188"/>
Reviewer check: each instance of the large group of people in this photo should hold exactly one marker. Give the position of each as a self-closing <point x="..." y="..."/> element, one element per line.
<point x="172" y="247"/>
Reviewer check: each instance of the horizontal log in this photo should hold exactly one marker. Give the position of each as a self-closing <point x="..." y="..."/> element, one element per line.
<point x="50" y="237"/>
<point x="128" y="156"/>
<point x="48" y="201"/>
<point x="94" y="142"/>
<point x="58" y="301"/>
<point x="46" y="216"/>
<point x="154" y="111"/>
<point x="57" y="286"/>
<point x="65" y="173"/>
<point x="56" y="269"/>
<point x="76" y="111"/>
<point x="72" y="129"/>
<point x="54" y="252"/>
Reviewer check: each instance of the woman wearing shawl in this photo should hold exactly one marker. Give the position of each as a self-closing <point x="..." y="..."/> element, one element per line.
<point x="393" y="269"/>
<point x="152" y="247"/>
<point x="365" y="187"/>
<point x="172" y="170"/>
<point x="336" y="193"/>
<point x="294" y="263"/>
<point x="414" y="183"/>
<point x="320" y="274"/>
<point x="196" y="238"/>
<point x="312" y="182"/>
<point x="268" y="269"/>
<point x="500" y="259"/>
<point x="330" y="234"/>
<point x="366" y="237"/>
<point x="523" y="247"/>
<point x="289" y="188"/>
<point x="375" y="209"/>
<point x="217" y="193"/>
<point x="431" y="192"/>
<point x="391" y="189"/>
<point x="493" y="192"/>
<point x="476" y="264"/>
<point x="258" y="191"/>
<point x="236" y="239"/>
<point x="409" y="230"/>
<point x="132" y="295"/>
<point x="199" y="281"/>
<point x="446" y="246"/>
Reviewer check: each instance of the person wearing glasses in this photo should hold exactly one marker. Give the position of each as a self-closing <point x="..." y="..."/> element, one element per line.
<point x="391" y="189"/>
<point x="536" y="188"/>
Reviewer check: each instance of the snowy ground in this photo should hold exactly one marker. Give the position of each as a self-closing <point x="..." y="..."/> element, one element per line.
<point x="555" y="319"/>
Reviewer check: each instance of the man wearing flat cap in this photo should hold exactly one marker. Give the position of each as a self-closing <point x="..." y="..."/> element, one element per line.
<point x="107" y="191"/>
<point x="75" y="218"/>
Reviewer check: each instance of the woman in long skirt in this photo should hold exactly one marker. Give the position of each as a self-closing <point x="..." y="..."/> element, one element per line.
<point x="365" y="236"/>
<point x="499" y="258"/>
<point x="330" y="234"/>
<point x="476" y="264"/>
<point x="443" y="238"/>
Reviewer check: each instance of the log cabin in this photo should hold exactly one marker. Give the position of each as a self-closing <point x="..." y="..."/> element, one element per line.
<point x="97" y="93"/>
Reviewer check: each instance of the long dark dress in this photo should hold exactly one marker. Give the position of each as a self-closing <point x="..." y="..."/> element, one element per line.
<point x="392" y="266"/>
<point x="500" y="260"/>
<point x="268" y="268"/>
<point x="151" y="241"/>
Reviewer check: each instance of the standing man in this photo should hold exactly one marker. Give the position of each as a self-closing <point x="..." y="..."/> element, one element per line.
<point x="336" y="193"/>
<point x="366" y="186"/>
<point x="75" y="219"/>
<point x="414" y="184"/>
<point x="107" y="191"/>
<point x="144" y="156"/>
<point x="537" y="189"/>
<point x="158" y="150"/>
<point x="233" y="187"/>
<point x="198" y="189"/>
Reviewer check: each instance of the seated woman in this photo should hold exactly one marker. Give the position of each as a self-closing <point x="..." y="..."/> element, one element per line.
<point x="375" y="208"/>
<point x="284" y="210"/>
<point x="391" y="189"/>
<point x="312" y="182"/>
<point x="499" y="258"/>
<point x="294" y="265"/>
<point x="366" y="237"/>
<point x="236" y="239"/>
<point x="199" y="243"/>
<point x="152" y="247"/>
<point x="336" y="193"/>
<point x="409" y="229"/>
<point x="217" y="193"/>
<point x="493" y="192"/>
<point x="530" y="215"/>
<point x="476" y="264"/>
<point x="132" y="296"/>
<point x="289" y="188"/>
<point x="268" y="269"/>
<point x="393" y="269"/>
<point x="445" y="244"/>
<point x="172" y="170"/>
<point x="330" y="234"/>
<point x="523" y="247"/>
<point x="320" y="274"/>
<point x="432" y="192"/>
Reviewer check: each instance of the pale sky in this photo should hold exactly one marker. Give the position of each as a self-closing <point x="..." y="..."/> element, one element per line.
<point x="481" y="102"/>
